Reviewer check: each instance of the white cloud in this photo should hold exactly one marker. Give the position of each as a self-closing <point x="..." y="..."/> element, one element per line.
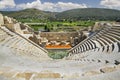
<point x="34" y="4"/>
<point x="7" y="4"/>
<point x="48" y="6"/>
<point x="69" y="5"/>
<point x="111" y="3"/>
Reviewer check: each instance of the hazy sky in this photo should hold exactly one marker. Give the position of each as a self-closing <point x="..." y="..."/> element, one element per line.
<point x="57" y="5"/>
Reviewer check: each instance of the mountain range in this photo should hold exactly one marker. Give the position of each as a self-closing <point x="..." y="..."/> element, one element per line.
<point x="74" y="14"/>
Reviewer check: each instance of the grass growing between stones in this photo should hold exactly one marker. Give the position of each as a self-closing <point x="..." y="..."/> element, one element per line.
<point x="57" y="54"/>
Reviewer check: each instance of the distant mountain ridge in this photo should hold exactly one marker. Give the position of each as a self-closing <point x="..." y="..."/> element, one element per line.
<point x="90" y="13"/>
<point x="30" y="13"/>
<point x="74" y="14"/>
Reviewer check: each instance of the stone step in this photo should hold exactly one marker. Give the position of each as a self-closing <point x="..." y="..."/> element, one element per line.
<point x="10" y="42"/>
<point x="117" y="38"/>
<point x="7" y="40"/>
<point x="3" y="37"/>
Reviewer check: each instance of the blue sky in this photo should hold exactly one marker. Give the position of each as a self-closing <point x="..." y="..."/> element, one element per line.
<point x="57" y="5"/>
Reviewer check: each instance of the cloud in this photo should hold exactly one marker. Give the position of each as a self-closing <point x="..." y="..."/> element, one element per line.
<point x="48" y="6"/>
<point x="69" y="5"/>
<point x="7" y="4"/>
<point x="34" y="4"/>
<point x="110" y="3"/>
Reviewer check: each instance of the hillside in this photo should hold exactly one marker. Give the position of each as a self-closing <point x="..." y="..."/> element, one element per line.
<point x="30" y="14"/>
<point x="74" y="14"/>
<point x="90" y="13"/>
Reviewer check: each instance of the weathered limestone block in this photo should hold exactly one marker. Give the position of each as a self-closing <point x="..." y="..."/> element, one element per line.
<point x="91" y="73"/>
<point x="26" y="75"/>
<point x="108" y="69"/>
<point x="97" y="26"/>
<point x="85" y="33"/>
<point x="10" y="26"/>
<point x="7" y="20"/>
<point x="17" y="28"/>
<point x="14" y="20"/>
<point x="47" y="75"/>
<point x="14" y="27"/>
<point x="1" y="19"/>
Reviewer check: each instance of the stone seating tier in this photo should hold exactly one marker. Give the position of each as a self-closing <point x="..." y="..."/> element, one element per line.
<point x="21" y="46"/>
<point x="106" y="36"/>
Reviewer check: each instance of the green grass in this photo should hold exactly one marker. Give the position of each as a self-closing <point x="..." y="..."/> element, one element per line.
<point x="37" y="27"/>
<point x="58" y="23"/>
<point x="85" y="23"/>
<point x="57" y="54"/>
<point x="53" y="25"/>
<point x="77" y="23"/>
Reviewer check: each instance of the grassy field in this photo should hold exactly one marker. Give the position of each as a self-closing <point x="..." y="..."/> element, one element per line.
<point x="53" y="26"/>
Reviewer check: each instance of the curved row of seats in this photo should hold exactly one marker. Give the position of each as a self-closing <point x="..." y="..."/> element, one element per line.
<point x="107" y="40"/>
<point x="99" y="53"/>
<point x="102" y="54"/>
<point x="21" y="46"/>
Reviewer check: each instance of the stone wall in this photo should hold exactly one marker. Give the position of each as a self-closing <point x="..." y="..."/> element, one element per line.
<point x="58" y="36"/>
<point x="71" y="37"/>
